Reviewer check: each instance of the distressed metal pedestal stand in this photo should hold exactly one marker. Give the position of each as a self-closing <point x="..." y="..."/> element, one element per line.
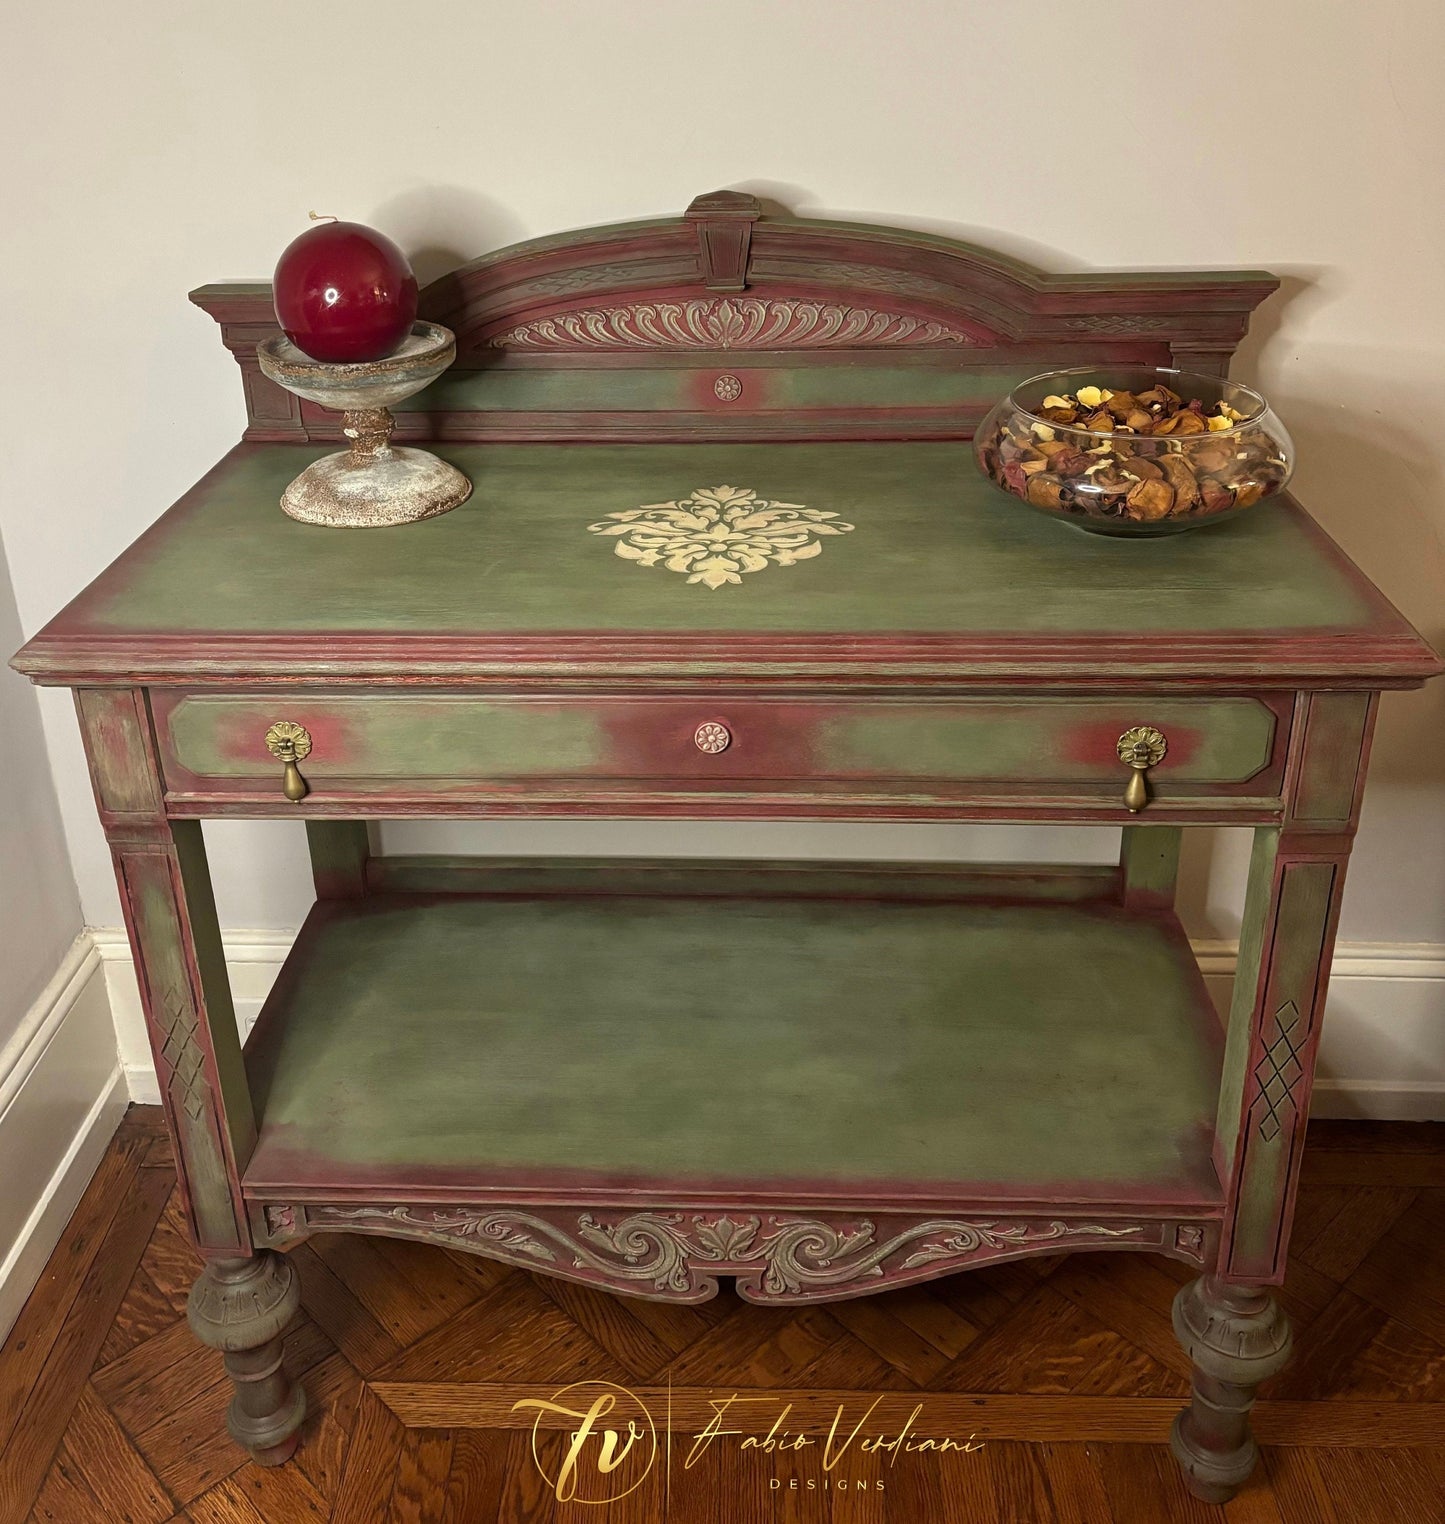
<point x="373" y="483"/>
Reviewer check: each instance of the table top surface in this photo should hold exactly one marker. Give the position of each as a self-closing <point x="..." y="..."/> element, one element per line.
<point x="878" y="561"/>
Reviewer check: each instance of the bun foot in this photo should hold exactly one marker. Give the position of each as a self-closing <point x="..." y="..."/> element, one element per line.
<point x="1236" y="1337"/>
<point x="242" y="1307"/>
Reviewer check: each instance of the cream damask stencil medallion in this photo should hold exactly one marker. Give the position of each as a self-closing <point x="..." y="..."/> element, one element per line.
<point x="718" y="534"/>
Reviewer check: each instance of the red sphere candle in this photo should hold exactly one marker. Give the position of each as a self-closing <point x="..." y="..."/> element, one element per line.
<point x="344" y="293"/>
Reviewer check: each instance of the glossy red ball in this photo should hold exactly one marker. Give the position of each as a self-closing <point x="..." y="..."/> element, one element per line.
<point x="345" y="293"/>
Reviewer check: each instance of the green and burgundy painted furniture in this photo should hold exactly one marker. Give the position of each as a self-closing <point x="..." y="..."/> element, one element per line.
<point x="728" y="556"/>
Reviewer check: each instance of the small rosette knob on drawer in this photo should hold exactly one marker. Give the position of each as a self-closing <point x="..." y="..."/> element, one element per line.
<point x="712" y="737"/>
<point x="1141" y="748"/>
<point x="290" y="743"/>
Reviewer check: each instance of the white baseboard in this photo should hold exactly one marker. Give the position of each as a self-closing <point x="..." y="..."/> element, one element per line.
<point x="253" y="959"/>
<point x="1383" y="1053"/>
<point x="62" y="1096"/>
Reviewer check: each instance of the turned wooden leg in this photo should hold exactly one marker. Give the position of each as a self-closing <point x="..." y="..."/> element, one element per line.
<point x="1236" y="1337"/>
<point x="241" y="1307"/>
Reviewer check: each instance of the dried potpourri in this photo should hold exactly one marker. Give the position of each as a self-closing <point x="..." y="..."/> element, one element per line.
<point x="1139" y="457"/>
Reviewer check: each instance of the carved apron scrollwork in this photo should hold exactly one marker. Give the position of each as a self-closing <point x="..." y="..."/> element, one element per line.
<point x="776" y="1257"/>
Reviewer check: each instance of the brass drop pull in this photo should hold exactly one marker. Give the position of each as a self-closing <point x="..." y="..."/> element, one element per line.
<point x="290" y="743"/>
<point x="1142" y="748"/>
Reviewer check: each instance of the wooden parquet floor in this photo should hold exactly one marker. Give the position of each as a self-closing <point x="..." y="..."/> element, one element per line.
<point x="1065" y="1368"/>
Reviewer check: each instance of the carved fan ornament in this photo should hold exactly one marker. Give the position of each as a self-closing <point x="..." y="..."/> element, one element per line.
<point x="728" y="322"/>
<point x="719" y="533"/>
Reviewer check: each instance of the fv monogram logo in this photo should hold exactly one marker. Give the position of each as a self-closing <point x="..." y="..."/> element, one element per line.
<point x="609" y="1452"/>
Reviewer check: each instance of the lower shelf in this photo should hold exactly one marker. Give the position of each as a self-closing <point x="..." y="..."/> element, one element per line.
<point x="700" y="1048"/>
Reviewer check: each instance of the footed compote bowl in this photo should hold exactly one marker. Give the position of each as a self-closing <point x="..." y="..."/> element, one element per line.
<point x="374" y="482"/>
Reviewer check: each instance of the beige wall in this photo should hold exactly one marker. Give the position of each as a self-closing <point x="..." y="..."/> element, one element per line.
<point x="156" y="146"/>
<point x="39" y="908"/>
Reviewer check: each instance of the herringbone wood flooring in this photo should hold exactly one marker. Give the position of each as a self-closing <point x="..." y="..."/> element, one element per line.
<point x="412" y="1356"/>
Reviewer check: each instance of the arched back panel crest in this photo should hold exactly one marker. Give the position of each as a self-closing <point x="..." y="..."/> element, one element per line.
<point x="726" y="324"/>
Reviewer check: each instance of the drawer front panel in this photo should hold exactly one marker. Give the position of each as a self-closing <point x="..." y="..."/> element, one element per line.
<point x="454" y="743"/>
<point x="1218" y="741"/>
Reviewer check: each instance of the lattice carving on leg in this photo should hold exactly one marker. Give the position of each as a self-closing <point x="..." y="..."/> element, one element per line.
<point x="1279" y="1071"/>
<point x="183" y="1056"/>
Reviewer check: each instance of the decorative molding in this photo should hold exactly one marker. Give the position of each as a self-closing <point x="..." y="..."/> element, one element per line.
<point x="932" y="293"/>
<point x="729" y="322"/>
<point x="584" y="278"/>
<point x="237" y="1304"/>
<point x="1117" y="323"/>
<point x="860" y="272"/>
<point x="777" y="1257"/>
<point x="1238" y="1334"/>
<point x="712" y="738"/>
<point x="280" y="1220"/>
<point x="1189" y="1241"/>
<point x="718" y="534"/>
<point x="724" y="224"/>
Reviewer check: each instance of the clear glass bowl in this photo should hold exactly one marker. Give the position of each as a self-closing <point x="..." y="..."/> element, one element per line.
<point x="1100" y="472"/>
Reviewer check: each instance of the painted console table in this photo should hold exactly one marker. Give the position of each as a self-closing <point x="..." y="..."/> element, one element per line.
<point x="728" y="556"/>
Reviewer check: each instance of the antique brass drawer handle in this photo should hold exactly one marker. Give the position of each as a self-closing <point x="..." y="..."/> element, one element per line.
<point x="290" y="743"/>
<point x="1142" y="748"/>
<point x="712" y="737"/>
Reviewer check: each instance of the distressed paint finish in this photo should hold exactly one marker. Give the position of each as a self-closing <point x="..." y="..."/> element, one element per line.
<point x="340" y="854"/>
<point x="765" y="800"/>
<point x="1256" y="937"/>
<point x="170" y="917"/>
<point x="943" y="577"/>
<point x="941" y="573"/>
<point x="115" y="724"/>
<point x="767" y="384"/>
<point x="891" y="1046"/>
<point x="459" y="1022"/>
<point x="1332" y="771"/>
<point x="1211" y="741"/>
<point x="727" y="322"/>
<point x="449" y="741"/>
<point x="410" y="737"/>
<point x="935" y="548"/>
<point x="735" y="878"/>
<point x="1304" y="902"/>
<point x="1235" y="1337"/>
<point x="1292" y="908"/>
<point x="241" y="1307"/>
<point x="784" y="1258"/>
<point x="643" y="290"/>
<point x="1149" y="859"/>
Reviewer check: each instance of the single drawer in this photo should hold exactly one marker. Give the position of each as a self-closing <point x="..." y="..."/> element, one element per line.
<point x="484" y="745"/>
